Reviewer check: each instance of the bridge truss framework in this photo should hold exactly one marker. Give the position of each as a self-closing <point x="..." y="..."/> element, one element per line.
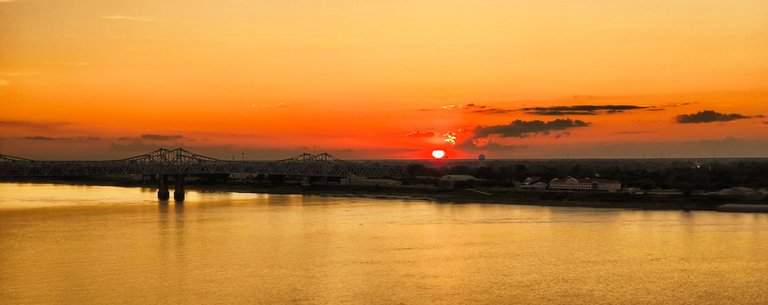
<point x="180" y="162"/>
<point x="183" y="162"/>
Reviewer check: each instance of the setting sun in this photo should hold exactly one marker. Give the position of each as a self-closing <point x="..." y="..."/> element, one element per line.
<point x="275" y="151"/>
<point x="273" y="79"/>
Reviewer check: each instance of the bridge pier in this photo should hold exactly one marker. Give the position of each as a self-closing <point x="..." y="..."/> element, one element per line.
<point x="162" y="190"/>
<point x="178" y="191"/>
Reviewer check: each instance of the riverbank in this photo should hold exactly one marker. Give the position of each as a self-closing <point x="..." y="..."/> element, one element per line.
<point x="464" y="195"/>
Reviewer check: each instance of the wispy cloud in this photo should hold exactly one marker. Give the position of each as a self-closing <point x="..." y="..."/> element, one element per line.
<point x="45" y="138"/>
<point x="679" y="104"/>
<point x="547" y="111"/>
<point x="30" y="124"/>
<point x="461" y="106"/>
<point x="422" y="134"/>
<point x="494" y="111"/>
<point x="581" y="109"/>
<point x="125" y="18"/>
<point x="160" y="137"/>
<point x="470" y="106"/>
<point x="450" y="137"/>
<point x="147" y="142"/>
<point x="487" y="144"/>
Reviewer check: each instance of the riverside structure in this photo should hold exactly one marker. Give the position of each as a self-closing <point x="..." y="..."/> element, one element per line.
<point x="179" y="163"/>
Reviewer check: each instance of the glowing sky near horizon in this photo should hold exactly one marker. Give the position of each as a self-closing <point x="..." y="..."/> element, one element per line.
<point x="384" y="79"/>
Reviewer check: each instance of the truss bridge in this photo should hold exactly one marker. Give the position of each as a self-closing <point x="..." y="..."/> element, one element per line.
<point x="180" y="162"/>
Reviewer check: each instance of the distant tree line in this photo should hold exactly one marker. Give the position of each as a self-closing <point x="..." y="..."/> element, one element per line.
<point x="685" y="175"/>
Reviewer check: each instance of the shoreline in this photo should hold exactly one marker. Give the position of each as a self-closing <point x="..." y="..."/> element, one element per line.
<point x="698" y="202"/>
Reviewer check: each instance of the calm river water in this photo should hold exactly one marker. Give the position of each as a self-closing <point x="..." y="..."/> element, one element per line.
<point x="62" y="244"/>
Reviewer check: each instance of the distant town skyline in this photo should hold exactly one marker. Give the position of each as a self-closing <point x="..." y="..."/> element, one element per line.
<point x="104" y="79"/>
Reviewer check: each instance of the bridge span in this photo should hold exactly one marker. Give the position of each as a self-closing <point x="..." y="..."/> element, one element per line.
<point x="180" y="162"/>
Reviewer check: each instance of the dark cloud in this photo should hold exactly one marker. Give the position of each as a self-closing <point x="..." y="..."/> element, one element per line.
<point x="146" y="143"/>
<point x="159" y="137"/>
<point x="522" y="129"/>
<point x="486" y="144"/>
<point x="494" y="111"/>
<point x="555" y="110"/>
<point x="473" y="105"/>
<point x="47" y="138"/>
<point x="581" y="109"/>
<point x="497" y="147"/>
<point x="708" y="116"/>
<point x="420" y="134"/>
<point x="671" y="105"/>
<point x="44" y="138"/>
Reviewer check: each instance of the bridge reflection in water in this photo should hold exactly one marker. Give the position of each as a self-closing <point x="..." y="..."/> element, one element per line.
<point x="177" y="163"/>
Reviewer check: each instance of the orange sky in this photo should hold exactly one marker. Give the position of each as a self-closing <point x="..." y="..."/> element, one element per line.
<point x="383" y="79"/>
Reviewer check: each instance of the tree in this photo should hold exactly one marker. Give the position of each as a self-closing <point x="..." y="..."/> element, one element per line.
<point x="416" y="170"/>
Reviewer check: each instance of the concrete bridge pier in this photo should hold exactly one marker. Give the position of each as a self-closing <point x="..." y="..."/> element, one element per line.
<point x="162" y="190"/>
<point x="178" y="191"/>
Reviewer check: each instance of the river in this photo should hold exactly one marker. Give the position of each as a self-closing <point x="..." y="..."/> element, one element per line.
<point x="64" y="244"/>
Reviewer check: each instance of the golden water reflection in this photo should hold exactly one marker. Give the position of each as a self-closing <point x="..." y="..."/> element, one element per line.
<point x="105" y="245"/>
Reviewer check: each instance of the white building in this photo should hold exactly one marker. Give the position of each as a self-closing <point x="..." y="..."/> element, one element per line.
<point x="584" y="184"/>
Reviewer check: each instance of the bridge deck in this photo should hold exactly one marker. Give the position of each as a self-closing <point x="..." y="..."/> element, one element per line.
<point x="180" y="161"/>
